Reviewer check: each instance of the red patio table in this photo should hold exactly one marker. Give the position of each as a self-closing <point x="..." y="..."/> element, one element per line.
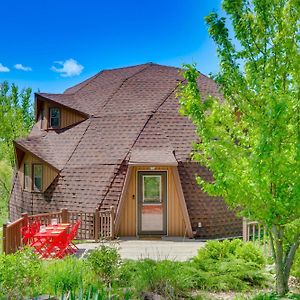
<point x="43" y="242"/>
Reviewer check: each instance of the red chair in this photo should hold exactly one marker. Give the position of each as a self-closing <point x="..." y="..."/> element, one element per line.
<point x="62" y="245"/>
<point x="29" y="231"/>
<point x="72" y="247"/>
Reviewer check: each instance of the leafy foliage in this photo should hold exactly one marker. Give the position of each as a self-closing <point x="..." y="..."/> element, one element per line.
<point x="19" y="275"/>
<point x="105" y="262"/>
<point x="229" y="265"/>
<point x="251" y="141"/>
<point x="16" y="119"/>
<point x="219" y="266"/>
<point x="16" y="115"/>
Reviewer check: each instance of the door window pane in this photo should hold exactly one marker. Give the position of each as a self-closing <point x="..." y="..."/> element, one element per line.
<point x="152" y="206"/>
<point x="37" y="177"/>
<point x="151" y="188"/>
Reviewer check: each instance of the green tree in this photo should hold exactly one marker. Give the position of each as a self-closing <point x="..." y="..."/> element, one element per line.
<point x="250" y="140"/>
<point x="16" y="119"/>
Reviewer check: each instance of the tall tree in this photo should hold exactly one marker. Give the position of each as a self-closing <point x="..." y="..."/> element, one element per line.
<point x="250" y="140"/>
<point x="16" y="119"/>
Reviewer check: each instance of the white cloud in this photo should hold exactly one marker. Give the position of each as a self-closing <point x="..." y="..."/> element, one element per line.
<point x="22" y="68"/>
<point x="3" y="68"/>
<point x="70" y="68"/>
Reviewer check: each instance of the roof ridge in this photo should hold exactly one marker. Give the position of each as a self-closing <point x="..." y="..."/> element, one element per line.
<point x="90" y="79"/>
<point x="120" y="86"/>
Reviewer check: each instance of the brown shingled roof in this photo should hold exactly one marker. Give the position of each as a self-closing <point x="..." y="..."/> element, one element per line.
<point x="131" y="111"/>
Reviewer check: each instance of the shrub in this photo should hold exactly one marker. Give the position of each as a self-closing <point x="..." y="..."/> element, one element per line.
<point x="228" y="265"/>
<point x="105" y="263"/>
<point x="19" y="275"/>
<point x="63" y="276"/>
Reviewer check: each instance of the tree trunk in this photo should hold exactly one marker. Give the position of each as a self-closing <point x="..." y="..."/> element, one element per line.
<point x="281" y="280"/>
<point x="283" y="259"/>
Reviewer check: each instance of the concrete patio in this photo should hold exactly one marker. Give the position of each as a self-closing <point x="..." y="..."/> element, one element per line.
<point x="176" y="249"/>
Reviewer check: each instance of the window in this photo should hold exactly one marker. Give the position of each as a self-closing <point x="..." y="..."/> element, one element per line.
<point x="37" y="177"/>
<point x="26" y="176"/>
<point x="151" y="188"/>
<point x="54" y="116"/>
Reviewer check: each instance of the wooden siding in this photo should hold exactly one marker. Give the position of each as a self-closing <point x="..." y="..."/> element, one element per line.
<point x="49" y="173"/>
<point x="67" y="117"/>
<point x="175" y="221"/>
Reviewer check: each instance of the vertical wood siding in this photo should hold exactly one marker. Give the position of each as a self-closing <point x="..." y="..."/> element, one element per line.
<point x="49" y="173"/>
<point x="175" y="221"/>
<point x="67" y="117"/>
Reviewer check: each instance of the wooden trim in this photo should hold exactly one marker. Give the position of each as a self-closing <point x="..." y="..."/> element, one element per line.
<point x="122" y="199"/>
<point x="182" y="202"/>
<point x="140" y="164"/>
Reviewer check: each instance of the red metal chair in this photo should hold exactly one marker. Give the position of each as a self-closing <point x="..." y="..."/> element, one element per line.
<point x="62" y="245"/>
<point x="72" y="247"/>
<point x="29" y="231"/>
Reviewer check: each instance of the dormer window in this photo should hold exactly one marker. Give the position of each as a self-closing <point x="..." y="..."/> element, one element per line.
<point x="54" y="117"/>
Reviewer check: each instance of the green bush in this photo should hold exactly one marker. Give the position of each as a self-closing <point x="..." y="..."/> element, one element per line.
<point x="228" y="265"/>
<point x="63" y="276"/>
<point x="20" y="275"/>
<point x="105" y="262"/>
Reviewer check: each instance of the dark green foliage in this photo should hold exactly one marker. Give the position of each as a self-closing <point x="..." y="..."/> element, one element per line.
<point x="229" y="265"/>
<point x="19" y="275"/>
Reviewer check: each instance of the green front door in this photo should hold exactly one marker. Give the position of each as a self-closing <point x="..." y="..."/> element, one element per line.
<point x="152" y="202"/>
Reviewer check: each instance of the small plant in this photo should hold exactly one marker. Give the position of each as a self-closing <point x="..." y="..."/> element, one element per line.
<point x="105" y="263"/>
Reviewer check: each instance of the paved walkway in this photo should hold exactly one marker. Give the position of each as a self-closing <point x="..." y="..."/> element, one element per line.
<point x="155" y="249"/>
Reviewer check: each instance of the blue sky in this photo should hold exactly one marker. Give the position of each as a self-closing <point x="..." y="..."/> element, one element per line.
<point x="53" y="44"/>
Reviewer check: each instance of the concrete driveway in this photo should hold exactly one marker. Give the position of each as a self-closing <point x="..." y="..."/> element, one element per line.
<point x="155" y="249"/>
